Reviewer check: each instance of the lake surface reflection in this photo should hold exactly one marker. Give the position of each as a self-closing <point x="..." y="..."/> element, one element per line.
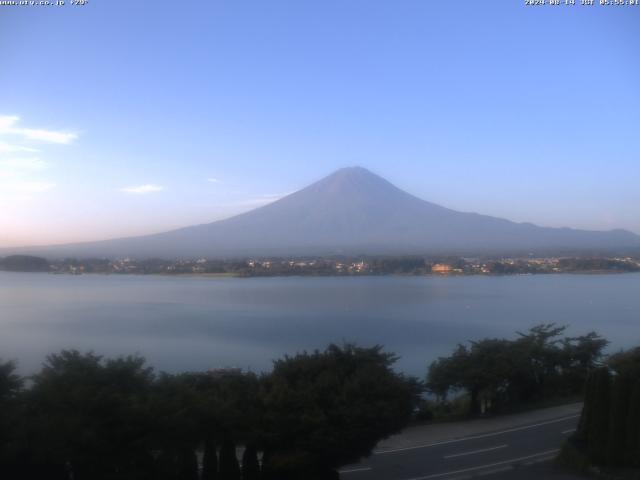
<point x="190" y="323"/>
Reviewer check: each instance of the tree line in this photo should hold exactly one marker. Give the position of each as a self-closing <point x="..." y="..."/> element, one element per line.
<point x="83" y="416"/>
<point x="609" y="430"/>
<point x="497" y="374"/>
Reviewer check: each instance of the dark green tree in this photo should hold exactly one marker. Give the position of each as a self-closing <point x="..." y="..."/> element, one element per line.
<point x="447" y="373"/>
<point x="227" y="403"/>
<point x="632" y="444"/>
<point x="250" y="464"/>
<point x="229" y="466"/>
<point x="326" y="409"/>
<point x="24" y="263"/>
<point x="626" y="365"/>
<point x="609" y="428"/>
<point x="10" y="416"/>
<point x="485" y="371"/>
<point x="540" y="349"/>
<point x="90" y="416"/>
<point x="210" y="460"/>
<point x="188" y="465"/>
<point x="586" y="416"/>
<point x="10" y="382"/>
<point x="496" y="373"/>
<point x="618" y="414"/>
<point x="598" y="420"/>
<point x="580" y="355"/>
<point x="176" y="431"/>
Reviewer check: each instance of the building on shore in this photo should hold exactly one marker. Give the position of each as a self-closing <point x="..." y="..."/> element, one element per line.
<point x="441" y="268"/>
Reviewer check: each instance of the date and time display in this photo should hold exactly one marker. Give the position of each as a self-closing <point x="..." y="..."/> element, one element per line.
<point x="583" y="3"/>
<point x="43" y="3"/>
<point x="527" y="3"/>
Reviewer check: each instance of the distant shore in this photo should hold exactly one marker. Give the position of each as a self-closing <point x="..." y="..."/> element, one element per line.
<point x="331" y="275"/>
<point x="327" y="266"/>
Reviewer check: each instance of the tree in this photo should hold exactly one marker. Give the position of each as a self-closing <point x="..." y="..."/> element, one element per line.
<point x="229" y="466"/>
<point x="496" y="373"/>
<point x="447" y="373"/>
<point x="483" y="370"/>
<point x="226" y="403"/>
<point x="10" y="382"/>
<point x="188" y="464"/>
<point x="626" y="363"/>
<point x="618" y="415"/>
<point x="632" y="450"/>
<point x="580" y="355"/>
<point x="90" y="416"/>
<point x="487" y="378"/>
<point x="609" y="428"/>
<point x="176" y="431"/>
<point x="598" y="421"/>
<point x="626" y="366"/>
<point x="326" y="409"/>
<point x="209" y="460"/>
<point x="10" y="387"/>
<point x="24" y="263"/>
<point x="250" y="464"/>
<point x="541" y="350"/>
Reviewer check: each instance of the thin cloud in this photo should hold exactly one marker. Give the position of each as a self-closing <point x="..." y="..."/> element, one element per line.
<point x="259" y="201"/>
<point x="213" y="180"/>
<point x="8" y="148"/>
<point x="33" y="187"/>
<point x="20" y="162"/>
<point x="8" y="127"/>
<point x="22" y="165"/>
<point x="143" y="189"/>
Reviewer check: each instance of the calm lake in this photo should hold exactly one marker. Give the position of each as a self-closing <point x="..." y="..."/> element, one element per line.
<point x="190" y="323"/>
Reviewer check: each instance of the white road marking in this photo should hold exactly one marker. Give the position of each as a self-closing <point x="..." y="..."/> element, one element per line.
<point x="474" y="437"/>
<point x="475" y="451"/>
<point x="490" y="465"/>
<point x="354" y="470"/>
<point x="493" y="471"/>
<point x="564" y="432"/>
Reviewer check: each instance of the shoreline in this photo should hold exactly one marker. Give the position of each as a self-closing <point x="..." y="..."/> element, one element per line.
<point x="297" y="275"/>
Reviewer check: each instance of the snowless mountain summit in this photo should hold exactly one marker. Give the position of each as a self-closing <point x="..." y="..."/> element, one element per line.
<point x="352" y="211"/>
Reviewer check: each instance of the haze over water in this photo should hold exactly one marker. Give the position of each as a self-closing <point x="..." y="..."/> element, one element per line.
<point x="191" y="323"/>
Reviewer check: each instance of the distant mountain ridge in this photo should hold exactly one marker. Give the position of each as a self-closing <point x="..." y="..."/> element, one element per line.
<point x="351" y="211"/>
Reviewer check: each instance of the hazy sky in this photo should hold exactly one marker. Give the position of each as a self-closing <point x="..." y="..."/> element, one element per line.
<point x="126" y="117"/>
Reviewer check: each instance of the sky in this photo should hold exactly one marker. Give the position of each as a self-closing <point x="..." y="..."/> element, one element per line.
<point x="123" y="117"/>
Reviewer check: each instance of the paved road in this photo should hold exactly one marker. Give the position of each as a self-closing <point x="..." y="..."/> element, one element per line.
<point x="519" y="445"/>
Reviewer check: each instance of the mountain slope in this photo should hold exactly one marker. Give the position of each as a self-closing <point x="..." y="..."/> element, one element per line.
<point x="351" y="211"/>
